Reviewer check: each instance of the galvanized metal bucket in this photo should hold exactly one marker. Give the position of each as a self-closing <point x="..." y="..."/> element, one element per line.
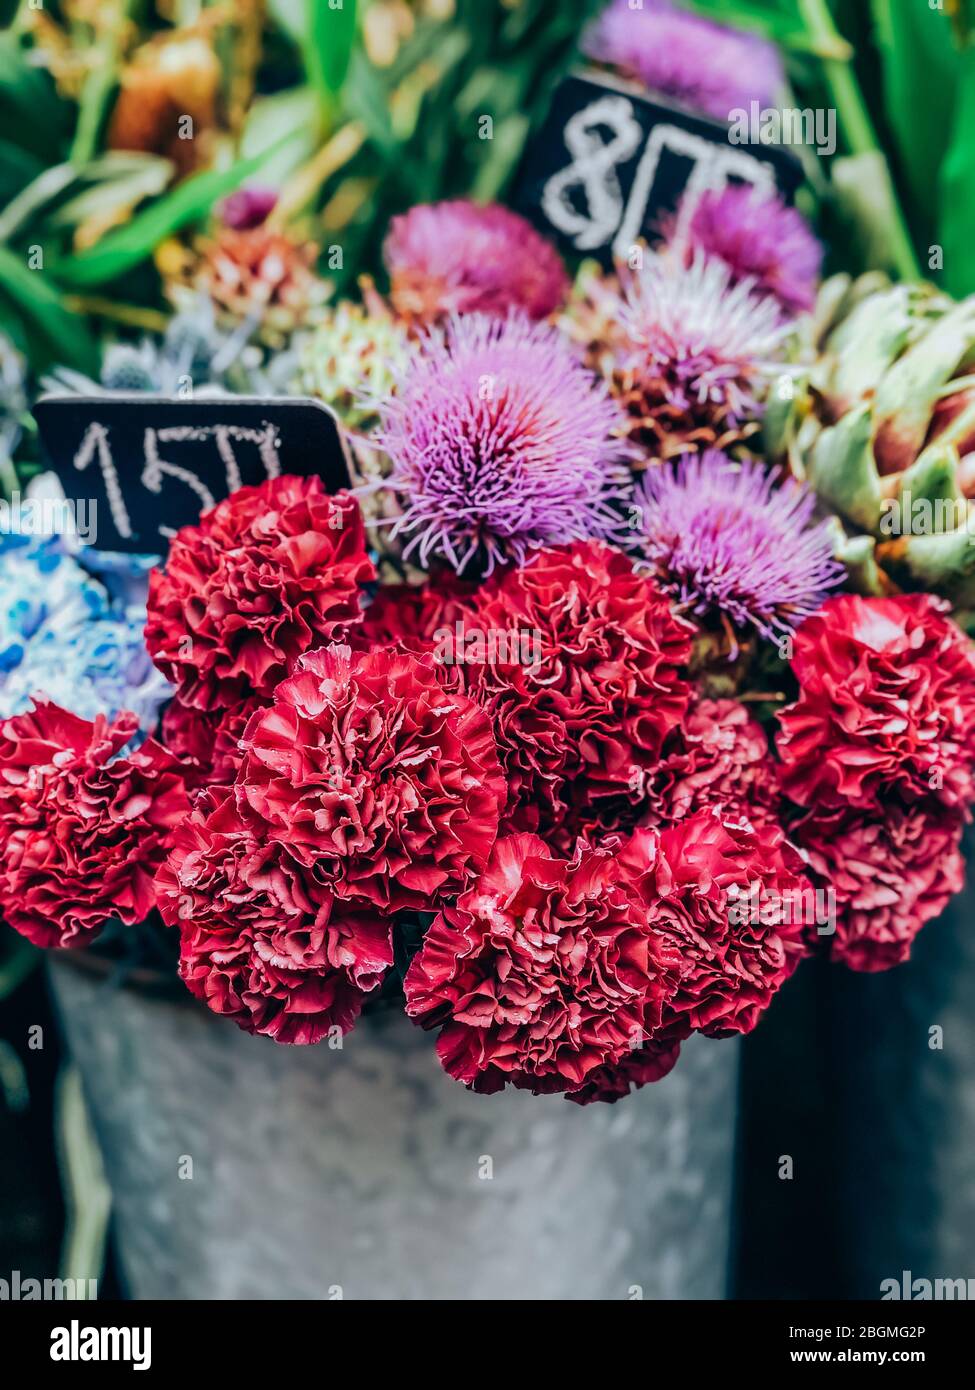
<point x="242" y="1169"/>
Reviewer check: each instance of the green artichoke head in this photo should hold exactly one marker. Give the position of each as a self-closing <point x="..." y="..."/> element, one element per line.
<point x="880" y="419"/>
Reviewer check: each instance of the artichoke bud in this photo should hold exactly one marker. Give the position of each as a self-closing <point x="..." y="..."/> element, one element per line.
<point x="786" y="405"/>
<point x="857" y="553"/>
<point x="925" y="498"/>
<point x="910" y="390"/>
<point x="943" y="562"/>
<point x="843" y="472"/>
<point x="865" y="345"/>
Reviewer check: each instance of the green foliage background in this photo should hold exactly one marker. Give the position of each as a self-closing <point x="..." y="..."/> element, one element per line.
<point x="352" y="142"/>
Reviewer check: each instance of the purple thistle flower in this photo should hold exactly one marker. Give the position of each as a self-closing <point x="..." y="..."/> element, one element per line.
<point x="248" y="207"/>
<point x="759" y="237"/>
<point x="700" y="343"/>
<point x="729" y="539"/>
<point x="501" y="441"/>
<point x="705" y="66"/>
<point x="459" y="257"/>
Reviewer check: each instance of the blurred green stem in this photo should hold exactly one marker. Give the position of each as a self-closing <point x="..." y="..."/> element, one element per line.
<point x="861" y="138"/>
<point x="87" y="1198"/>
<point x="99" y="84"/>
<point x="132" y="315"/>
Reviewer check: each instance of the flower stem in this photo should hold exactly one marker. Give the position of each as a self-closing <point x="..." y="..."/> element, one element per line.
<point x="858" y="129"/>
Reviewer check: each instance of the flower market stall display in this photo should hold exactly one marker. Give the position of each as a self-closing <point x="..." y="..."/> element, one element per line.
<point x="339" y="781"/>
<point x="588" y="785"/>
<point x="530" y="760"/>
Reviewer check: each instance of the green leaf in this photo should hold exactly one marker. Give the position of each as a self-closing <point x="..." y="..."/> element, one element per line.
<point x="919" y="69"/>
<point x="87" y="1196"/>
<point x="45" y="187"/>
<point x="866" y="195"/>
<point x="119" y="183"/>
<point x="329" y="33"/>
<point x="120" y="250"/>
<point x="281" y="129"/>
<point x="505" y="151"/>
<point x="29" y="103"/>
<point x="100" y="84"/>
<point x="18" y="168"/>
<point x="909" y="390"/>
<point x="956" y="223"/>
<point x="774" y="19"/>
<point x="365" y="100"/>
<point x="40" y="303"/>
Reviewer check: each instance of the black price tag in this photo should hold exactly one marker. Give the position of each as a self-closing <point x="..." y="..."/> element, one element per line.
<point x="148" y="465"/>
<point x="610" y="163"/>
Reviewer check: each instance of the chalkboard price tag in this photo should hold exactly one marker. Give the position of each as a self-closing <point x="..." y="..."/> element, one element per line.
<point x="610" y="163"/>
<point x="150" y="464"/>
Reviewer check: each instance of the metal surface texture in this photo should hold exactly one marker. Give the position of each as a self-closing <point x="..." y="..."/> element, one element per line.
<point x="367" y="1173"/>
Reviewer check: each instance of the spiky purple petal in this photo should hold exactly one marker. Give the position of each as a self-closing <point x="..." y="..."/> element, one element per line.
<point x="729" y="538"/>
<point x="501" y="441"/>
<point x="705" y="339"/>
<point x="759" y="237"/>
<point x="460" y="257"/>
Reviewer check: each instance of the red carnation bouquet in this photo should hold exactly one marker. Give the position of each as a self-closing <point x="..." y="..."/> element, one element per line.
<point x="514" y="806"/>
<point x="570" y="753"/>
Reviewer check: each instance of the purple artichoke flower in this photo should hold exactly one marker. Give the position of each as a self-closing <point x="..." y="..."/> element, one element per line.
<point x="501" y="441"/>
<point x="459" y="257"/>
<point x="248" y="207"/>
<point x="695" y="350"/>
<point x="705" y="66"/>
<point x="759" y="237"/>
<point x="730" y="539"/>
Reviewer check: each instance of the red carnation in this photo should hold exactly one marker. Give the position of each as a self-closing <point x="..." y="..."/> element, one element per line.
<point x="585" y="710"/>
<point x="638" y="1068"/>
<point x="262" y="940"/>
<point x="420" y="619"/>
<point x="886" y="705"/>
<point x="208" y="741"/>
<point x="82" y="828"/>
<point x="887" y="873"/>
<point x="719" y="757"/>
<point x="269" y="573"/>
<point x="544" y="973"/>
<point x="724" y="896"/>
<point x="380" y="782"/>
<point x="409" y="616"/>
